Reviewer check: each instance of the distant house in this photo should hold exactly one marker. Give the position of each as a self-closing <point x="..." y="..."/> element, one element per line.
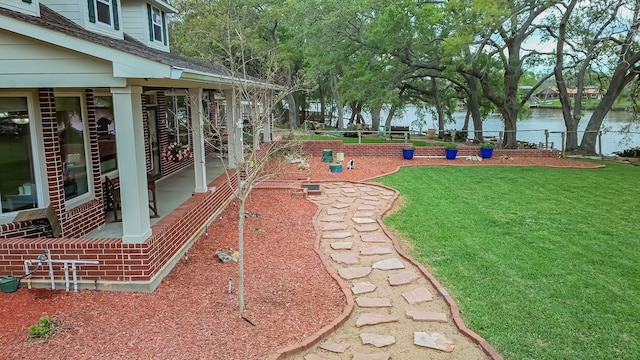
<point x="552" y="93"/>
<point x="90" y="89"/>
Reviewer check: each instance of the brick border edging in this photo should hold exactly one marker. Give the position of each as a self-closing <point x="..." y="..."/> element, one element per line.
<point x="333" y="325"/>
<point x="453" y="307"/>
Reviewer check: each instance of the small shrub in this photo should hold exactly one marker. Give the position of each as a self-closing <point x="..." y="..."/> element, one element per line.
<point x="486" y="145"/>
<point x="46" y="328"/>
<point x="630" y="153"/>
<point x="450" y="146"/>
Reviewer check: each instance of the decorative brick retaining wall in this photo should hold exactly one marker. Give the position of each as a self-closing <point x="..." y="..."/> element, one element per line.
<point x="314" y="148"/>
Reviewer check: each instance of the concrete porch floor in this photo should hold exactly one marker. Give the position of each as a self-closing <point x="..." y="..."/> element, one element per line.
<point x="171" y="192"/>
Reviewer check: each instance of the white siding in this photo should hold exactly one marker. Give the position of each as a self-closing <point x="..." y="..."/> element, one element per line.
<point x="27" y="63"/>
<point x="20" y="6"/>
<point x="135" y="21"/>
<point x="67" y="8"/>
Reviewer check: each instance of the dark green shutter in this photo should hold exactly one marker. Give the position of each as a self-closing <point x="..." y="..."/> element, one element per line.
<point x="164" y="29"/>
<point x="26" y="1"/>
<point x="92" y="10"/>
<point x="116" y="20"/>
<point x="150" y="13"/>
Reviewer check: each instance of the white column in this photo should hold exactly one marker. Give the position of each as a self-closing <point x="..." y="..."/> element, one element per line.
<point x="127" y="108"/>
<point x="197" y="138"/>
<point x="234" y="129"/>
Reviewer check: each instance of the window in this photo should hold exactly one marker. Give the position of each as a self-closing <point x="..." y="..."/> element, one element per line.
<point x="18" y="179"/>
<point x="177" y="119"/>
<point x="103" y="8"/>
<point x="71" y="133"/>
<point x="157" y="25"/>
<point x="106" y="134"/>
<point x="105" y="12"/>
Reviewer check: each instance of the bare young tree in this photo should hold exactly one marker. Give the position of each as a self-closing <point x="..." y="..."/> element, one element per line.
<point x="251" y="102"/>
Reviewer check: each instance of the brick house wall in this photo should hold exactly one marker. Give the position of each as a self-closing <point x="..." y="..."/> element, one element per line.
<point x="121" y="262"/>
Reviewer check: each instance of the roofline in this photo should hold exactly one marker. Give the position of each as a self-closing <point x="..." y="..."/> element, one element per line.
<point x="124" y="64"/>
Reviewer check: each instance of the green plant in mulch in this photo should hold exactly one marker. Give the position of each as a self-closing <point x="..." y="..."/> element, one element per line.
<point x="46" y="328"/>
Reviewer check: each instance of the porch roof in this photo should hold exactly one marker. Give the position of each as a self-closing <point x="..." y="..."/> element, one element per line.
<point x="131" y="59"/>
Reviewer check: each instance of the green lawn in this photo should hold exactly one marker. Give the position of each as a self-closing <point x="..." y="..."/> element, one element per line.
<point x="544" y="263"/>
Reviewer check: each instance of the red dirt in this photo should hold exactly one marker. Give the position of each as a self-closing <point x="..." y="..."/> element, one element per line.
<point x="289" y="293"/>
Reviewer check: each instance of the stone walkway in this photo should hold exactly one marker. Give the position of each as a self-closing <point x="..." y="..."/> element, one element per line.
<point x="398" y="313"/>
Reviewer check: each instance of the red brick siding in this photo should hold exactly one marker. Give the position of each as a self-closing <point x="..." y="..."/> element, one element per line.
<point x="118" y="261"/>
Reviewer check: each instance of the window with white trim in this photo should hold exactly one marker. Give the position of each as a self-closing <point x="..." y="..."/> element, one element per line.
<point x="157" y="25"/>
<point x="20" y="185"/>
<point x="104" y="12"/>
<point x="178" y="119"/>
<point x="72" y="134"/>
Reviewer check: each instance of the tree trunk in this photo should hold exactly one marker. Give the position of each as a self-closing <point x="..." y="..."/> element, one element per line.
<point x="293" y="111"/>
<point x="439" y="111"/>
<point x="465" y="125"/>
<point x="510" y="117"/>
<point x="473" y="106"/>
<point x="323" y="105"/>
<point x="387" y="122"/>
<point x="375" y="117"/>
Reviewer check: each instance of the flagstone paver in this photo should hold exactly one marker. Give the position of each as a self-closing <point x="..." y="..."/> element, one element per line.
<point x="389" y="264"/>
<point x="363" y="288"/>
<point x="363" y="214"/>
<point x="367" y="227"/>
<point x="367" y="302"/>
<point x="370" y="198"/>
<point x="334" y="211"/>
<point x="433" y="340"/>
<point x="346" y="200"/>
<point x="354" y="272"/>
<point x="419" y="315"/>
<point x="335" y="226"/>
<point x="333" y="218"/>
<point x="352" y="195"/>
<point x="374" y="319"/>
<point x="403" y="278"/>
<point x="334" y="346"/>
<point x="418" y="295"/>
<point x="371" y="203"/>
<point x="377" y="340"/>
<point x="378" y="356"/>
<point x="349" y="190"/>
<point x="361" y="220"/>
<point x="340" y="205"/>
<point x="329" y="191"/>
<point x="342" y="245"/>
<point x="337" y="235"/>
<point x="365" y="208"/>
<point x="375" y="250"/>
<point x="344" y="258"/>
<point x="376" y="237"/>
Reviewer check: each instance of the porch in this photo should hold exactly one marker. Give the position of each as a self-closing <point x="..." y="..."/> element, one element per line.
<point x="171" y="191"/>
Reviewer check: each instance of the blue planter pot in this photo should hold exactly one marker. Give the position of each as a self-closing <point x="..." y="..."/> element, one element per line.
<point x="407" y="154"/>
<point x="486" y="153"/>
<point x="451" y="154"/>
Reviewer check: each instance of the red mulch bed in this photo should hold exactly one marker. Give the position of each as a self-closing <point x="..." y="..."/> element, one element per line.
<point x="289" y="293"/>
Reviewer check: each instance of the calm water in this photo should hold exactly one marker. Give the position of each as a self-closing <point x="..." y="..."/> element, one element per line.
<point x="532" y="129"/>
